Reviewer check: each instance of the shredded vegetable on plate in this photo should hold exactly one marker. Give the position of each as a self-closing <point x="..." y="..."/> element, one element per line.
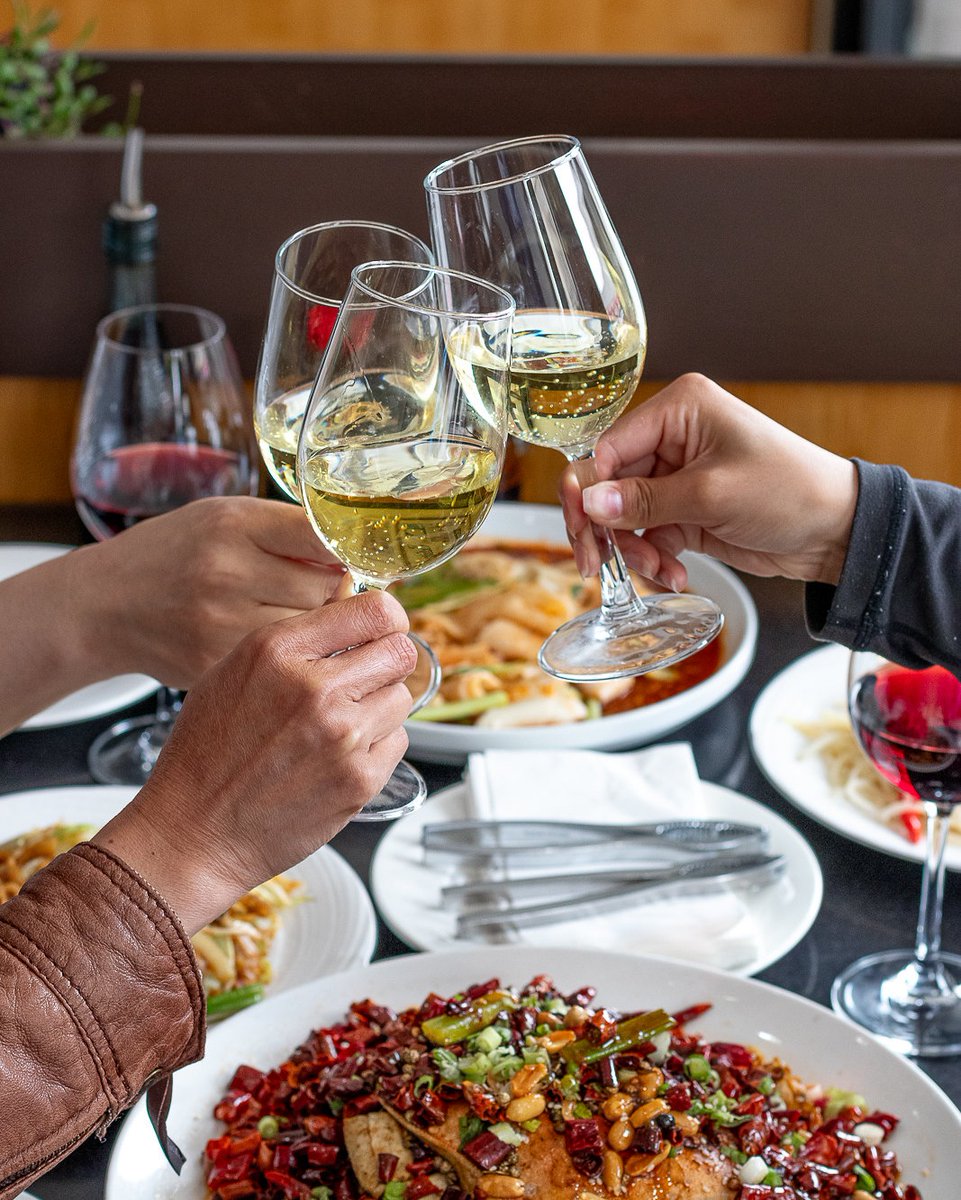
<point x="831" y="739"/>
<point x="232" y="951"/>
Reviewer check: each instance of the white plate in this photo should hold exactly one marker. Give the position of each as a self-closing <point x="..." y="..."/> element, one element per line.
<point x="432" y="741"/>
<point x="407" y="893"/>
<point x="818" y="1045"/>
<point x="334" y="929"/>
<point x="100" y="698"/>
<point x="803" y="690"/>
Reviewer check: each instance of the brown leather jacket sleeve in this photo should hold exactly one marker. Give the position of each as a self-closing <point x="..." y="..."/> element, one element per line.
<point x="99" y="995"/>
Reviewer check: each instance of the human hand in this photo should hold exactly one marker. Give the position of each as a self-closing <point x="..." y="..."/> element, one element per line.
<point x="694" y="468"/>
<point x="275" y="749"/>
<point x="172" y="595"/>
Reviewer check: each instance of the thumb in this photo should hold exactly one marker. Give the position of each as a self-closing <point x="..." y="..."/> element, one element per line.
<point x="636" y="503"/>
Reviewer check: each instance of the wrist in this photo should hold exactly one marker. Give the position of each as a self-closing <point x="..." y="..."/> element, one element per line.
<point x="839" y="507"/>
<point x="159" y="851"/>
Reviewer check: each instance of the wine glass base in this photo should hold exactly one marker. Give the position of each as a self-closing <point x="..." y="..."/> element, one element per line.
<point x="885" y="994"/>
<point x="119" y="755"/>
<point x="669" y="628"/>
<point x="401" y="794"/>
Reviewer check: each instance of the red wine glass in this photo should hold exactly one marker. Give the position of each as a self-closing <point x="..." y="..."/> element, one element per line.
<point x="909" y="725"/>
<point x="163" y="420"/>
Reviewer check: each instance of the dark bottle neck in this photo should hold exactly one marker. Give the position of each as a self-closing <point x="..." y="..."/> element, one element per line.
<point x="131" y="250"/>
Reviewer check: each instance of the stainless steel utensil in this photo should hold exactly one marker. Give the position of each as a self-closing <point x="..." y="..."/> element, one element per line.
<point x="694" y="876"/>
<point x="519" y="843"/>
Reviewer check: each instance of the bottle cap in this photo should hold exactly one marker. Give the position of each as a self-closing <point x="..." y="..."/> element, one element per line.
<point x="129" y="239"/>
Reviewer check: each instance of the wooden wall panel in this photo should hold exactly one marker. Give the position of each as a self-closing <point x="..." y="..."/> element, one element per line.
<point x="916" y="425"/>
<point x="36" y="432"/>
<point x="702" y="27"/>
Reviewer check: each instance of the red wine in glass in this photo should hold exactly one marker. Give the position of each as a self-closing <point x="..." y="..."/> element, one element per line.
<point x="132" y="483"/>
<point x="909" y="723"/>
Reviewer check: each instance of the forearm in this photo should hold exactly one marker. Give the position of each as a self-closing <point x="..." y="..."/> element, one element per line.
<point x="900" y="589"/>
<point x="51" y="646"/>
<point x="99" y="991"/>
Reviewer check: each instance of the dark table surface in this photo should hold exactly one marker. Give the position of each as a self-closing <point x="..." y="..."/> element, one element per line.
<point x="870" y="899"/>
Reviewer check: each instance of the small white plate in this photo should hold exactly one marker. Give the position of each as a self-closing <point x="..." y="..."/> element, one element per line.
<point x="819" y="1046"/>
<point x="433" y="741"/>
<point x="407" y="892"/>
<point x="105" y="696"/>
<point x="802" y="691"/>
<point x="333" y="929"/>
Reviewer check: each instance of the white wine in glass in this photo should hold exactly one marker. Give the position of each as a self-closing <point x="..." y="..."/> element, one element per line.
<point x="402" y="445"/>
<point x="311" y="274"/>
<point x="527" y="215"/>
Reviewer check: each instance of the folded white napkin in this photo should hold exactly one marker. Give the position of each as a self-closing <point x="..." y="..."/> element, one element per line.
<point x="715" y="929"/>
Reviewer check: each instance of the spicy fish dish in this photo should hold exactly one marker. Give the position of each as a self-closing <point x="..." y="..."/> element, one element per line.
<point x="503" y="1092"/>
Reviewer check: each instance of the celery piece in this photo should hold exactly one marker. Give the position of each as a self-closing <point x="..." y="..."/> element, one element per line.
<point x="457" y="710"/>
<point x="627" y="1035"/>
<point x="225" y="1003"/>
<point x="455" y="1027"/>
<point x="440" y="584"/>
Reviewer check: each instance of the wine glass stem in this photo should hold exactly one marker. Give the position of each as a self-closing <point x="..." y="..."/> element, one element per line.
<point x="435" y="675"/>
<point x="928" y="941"/>
<point x="154" y="737"/>
<point x="619" y="598"/>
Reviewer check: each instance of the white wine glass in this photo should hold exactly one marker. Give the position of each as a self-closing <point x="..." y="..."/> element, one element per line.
<point x="909" y="725"/>
<point x="402" y="445"/>
<point x="164" y="419"/>
<point x="311" y="274"/>
<point x="527" y="215"/>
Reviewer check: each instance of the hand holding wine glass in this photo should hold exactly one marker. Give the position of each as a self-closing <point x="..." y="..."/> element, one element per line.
<point x="403" y="441"/>
<point x="909" y="725"/>
<point x="527" y="215"/>
<point x="311" y="275"/>
<point x="163" y="421"/>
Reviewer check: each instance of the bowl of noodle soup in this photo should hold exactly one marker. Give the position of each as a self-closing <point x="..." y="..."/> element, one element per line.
<point x="485" y="616"/>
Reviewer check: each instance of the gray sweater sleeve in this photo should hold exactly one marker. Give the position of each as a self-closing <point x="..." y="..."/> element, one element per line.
<point x="900" y="588"/>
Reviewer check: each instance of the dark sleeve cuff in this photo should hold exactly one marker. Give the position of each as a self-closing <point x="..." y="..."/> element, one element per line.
<point x="848" y="613"/>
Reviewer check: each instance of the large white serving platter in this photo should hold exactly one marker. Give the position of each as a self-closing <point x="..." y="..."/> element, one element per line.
<point x="818" y="1045"/>
<point x="802" y="691"/>
<point x="333" y="929"/>
<point x="433" y="741"/>
<point x="96" y="700"/>
<point x="407" y="891"/>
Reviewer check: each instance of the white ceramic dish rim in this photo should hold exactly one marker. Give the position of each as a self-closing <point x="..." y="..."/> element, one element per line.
<point x="819" y="1045"/>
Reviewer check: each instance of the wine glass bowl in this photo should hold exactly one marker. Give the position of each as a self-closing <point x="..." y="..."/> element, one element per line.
<point x="908" y="722"/>
<point x="528" y="215"/>
<point x="311" y="274"/>
<point x="162" y="418"/>
<point x="402" y="444"/>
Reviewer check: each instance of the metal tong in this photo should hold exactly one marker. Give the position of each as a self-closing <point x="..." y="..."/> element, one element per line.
<point x="529" y="843"/>
<point x="616" y="891"/>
